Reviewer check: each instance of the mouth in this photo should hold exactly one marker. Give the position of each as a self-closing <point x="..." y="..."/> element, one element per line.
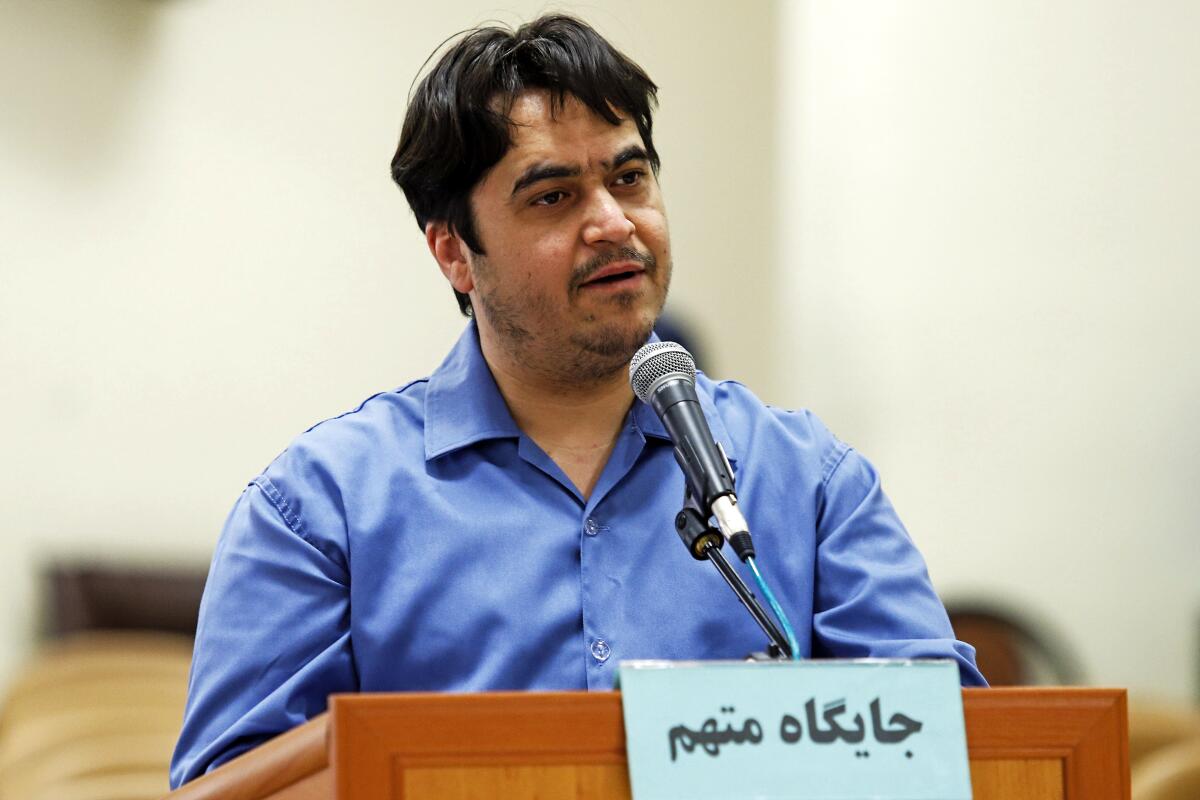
<point x="621" y="275"/>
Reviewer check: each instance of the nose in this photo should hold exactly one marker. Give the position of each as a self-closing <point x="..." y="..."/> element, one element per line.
<point x="606" y="222"/>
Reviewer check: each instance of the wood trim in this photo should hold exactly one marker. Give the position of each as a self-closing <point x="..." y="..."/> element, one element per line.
<point x="372" y="741"/>
<point x="1087" y="728"/>
<point x="272" y="768"/>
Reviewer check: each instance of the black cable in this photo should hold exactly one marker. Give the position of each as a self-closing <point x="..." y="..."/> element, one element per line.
<point x="747" y="599"/>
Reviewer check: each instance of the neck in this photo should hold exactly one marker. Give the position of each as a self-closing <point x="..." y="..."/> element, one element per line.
<point x="575" y="424"/>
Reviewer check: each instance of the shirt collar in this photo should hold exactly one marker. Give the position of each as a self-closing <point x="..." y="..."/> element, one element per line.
<point x="463" y="405"/>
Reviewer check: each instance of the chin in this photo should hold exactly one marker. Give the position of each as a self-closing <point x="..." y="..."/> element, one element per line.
<point x="616" y="343"/>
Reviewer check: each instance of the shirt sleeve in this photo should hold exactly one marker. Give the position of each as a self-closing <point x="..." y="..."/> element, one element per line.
<point x="273" y="640"/>
<point x="874" y="598"/>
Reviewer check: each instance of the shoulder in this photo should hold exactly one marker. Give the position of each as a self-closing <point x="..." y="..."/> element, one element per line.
<point x="386" y="423"/>
<point x="772" y="433"/>
<point x="344" y="462"/>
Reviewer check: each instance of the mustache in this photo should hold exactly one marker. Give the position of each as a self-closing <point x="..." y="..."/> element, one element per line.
<point x="584" y="272"/>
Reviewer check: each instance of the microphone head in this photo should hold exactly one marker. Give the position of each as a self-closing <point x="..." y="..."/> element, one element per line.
<point x="658" y="362"/>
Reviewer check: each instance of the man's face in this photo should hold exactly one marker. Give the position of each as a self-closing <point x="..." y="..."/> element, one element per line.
<point x="578" y="254"/>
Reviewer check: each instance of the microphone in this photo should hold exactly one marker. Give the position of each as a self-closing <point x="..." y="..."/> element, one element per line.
<point x="663" y="376"/>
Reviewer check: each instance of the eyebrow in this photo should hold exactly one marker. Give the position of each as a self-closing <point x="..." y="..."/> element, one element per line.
<point x="543" y="171"/>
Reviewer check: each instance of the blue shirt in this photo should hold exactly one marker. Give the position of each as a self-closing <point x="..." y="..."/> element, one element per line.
<point x="422" y="542"/>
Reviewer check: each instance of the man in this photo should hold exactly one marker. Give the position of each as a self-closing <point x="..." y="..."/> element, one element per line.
<point x="507" y="523"/>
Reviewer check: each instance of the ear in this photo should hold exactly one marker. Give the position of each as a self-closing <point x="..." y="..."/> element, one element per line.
<point x="450" y="251"/>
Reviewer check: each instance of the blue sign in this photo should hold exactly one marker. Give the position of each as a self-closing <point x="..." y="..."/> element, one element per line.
<point x="800" y="730"/>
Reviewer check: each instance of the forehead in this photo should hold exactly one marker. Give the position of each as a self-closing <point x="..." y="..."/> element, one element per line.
<point x="571" y="133"/>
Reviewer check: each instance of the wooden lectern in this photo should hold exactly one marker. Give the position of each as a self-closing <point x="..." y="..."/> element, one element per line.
<point x="1024" y="744"/>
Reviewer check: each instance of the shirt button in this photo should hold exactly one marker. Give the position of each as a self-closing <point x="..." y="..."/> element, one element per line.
<point x="591" y="527"/>
<point x="601" y="651"/>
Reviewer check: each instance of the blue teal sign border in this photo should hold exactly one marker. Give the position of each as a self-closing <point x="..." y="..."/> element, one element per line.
<point x="866" y="729"/>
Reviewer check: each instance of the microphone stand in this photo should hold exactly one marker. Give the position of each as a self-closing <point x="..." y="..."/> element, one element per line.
<point x="704" y="543"/>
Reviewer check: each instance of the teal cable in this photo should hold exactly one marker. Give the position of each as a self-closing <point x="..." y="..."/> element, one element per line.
<point x="783" y="620"/>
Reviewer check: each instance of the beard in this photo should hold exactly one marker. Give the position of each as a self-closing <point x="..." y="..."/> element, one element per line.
<point x="562" y="344"/>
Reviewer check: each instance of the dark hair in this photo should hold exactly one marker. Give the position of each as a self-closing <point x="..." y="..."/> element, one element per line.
<point x="458" y="126"/>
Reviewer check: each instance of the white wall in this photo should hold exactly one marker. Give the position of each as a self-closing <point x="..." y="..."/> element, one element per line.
<point x="993" y="293"/>
<point x="202" y="253"/>
<point x="985" y="276"/>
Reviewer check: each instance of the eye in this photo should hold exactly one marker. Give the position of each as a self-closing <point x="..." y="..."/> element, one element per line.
<point x="631" y="178"/>
<point x="549" y="198"/>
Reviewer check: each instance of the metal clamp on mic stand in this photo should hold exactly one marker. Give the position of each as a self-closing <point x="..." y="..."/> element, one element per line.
<point x="704" y="543"/>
